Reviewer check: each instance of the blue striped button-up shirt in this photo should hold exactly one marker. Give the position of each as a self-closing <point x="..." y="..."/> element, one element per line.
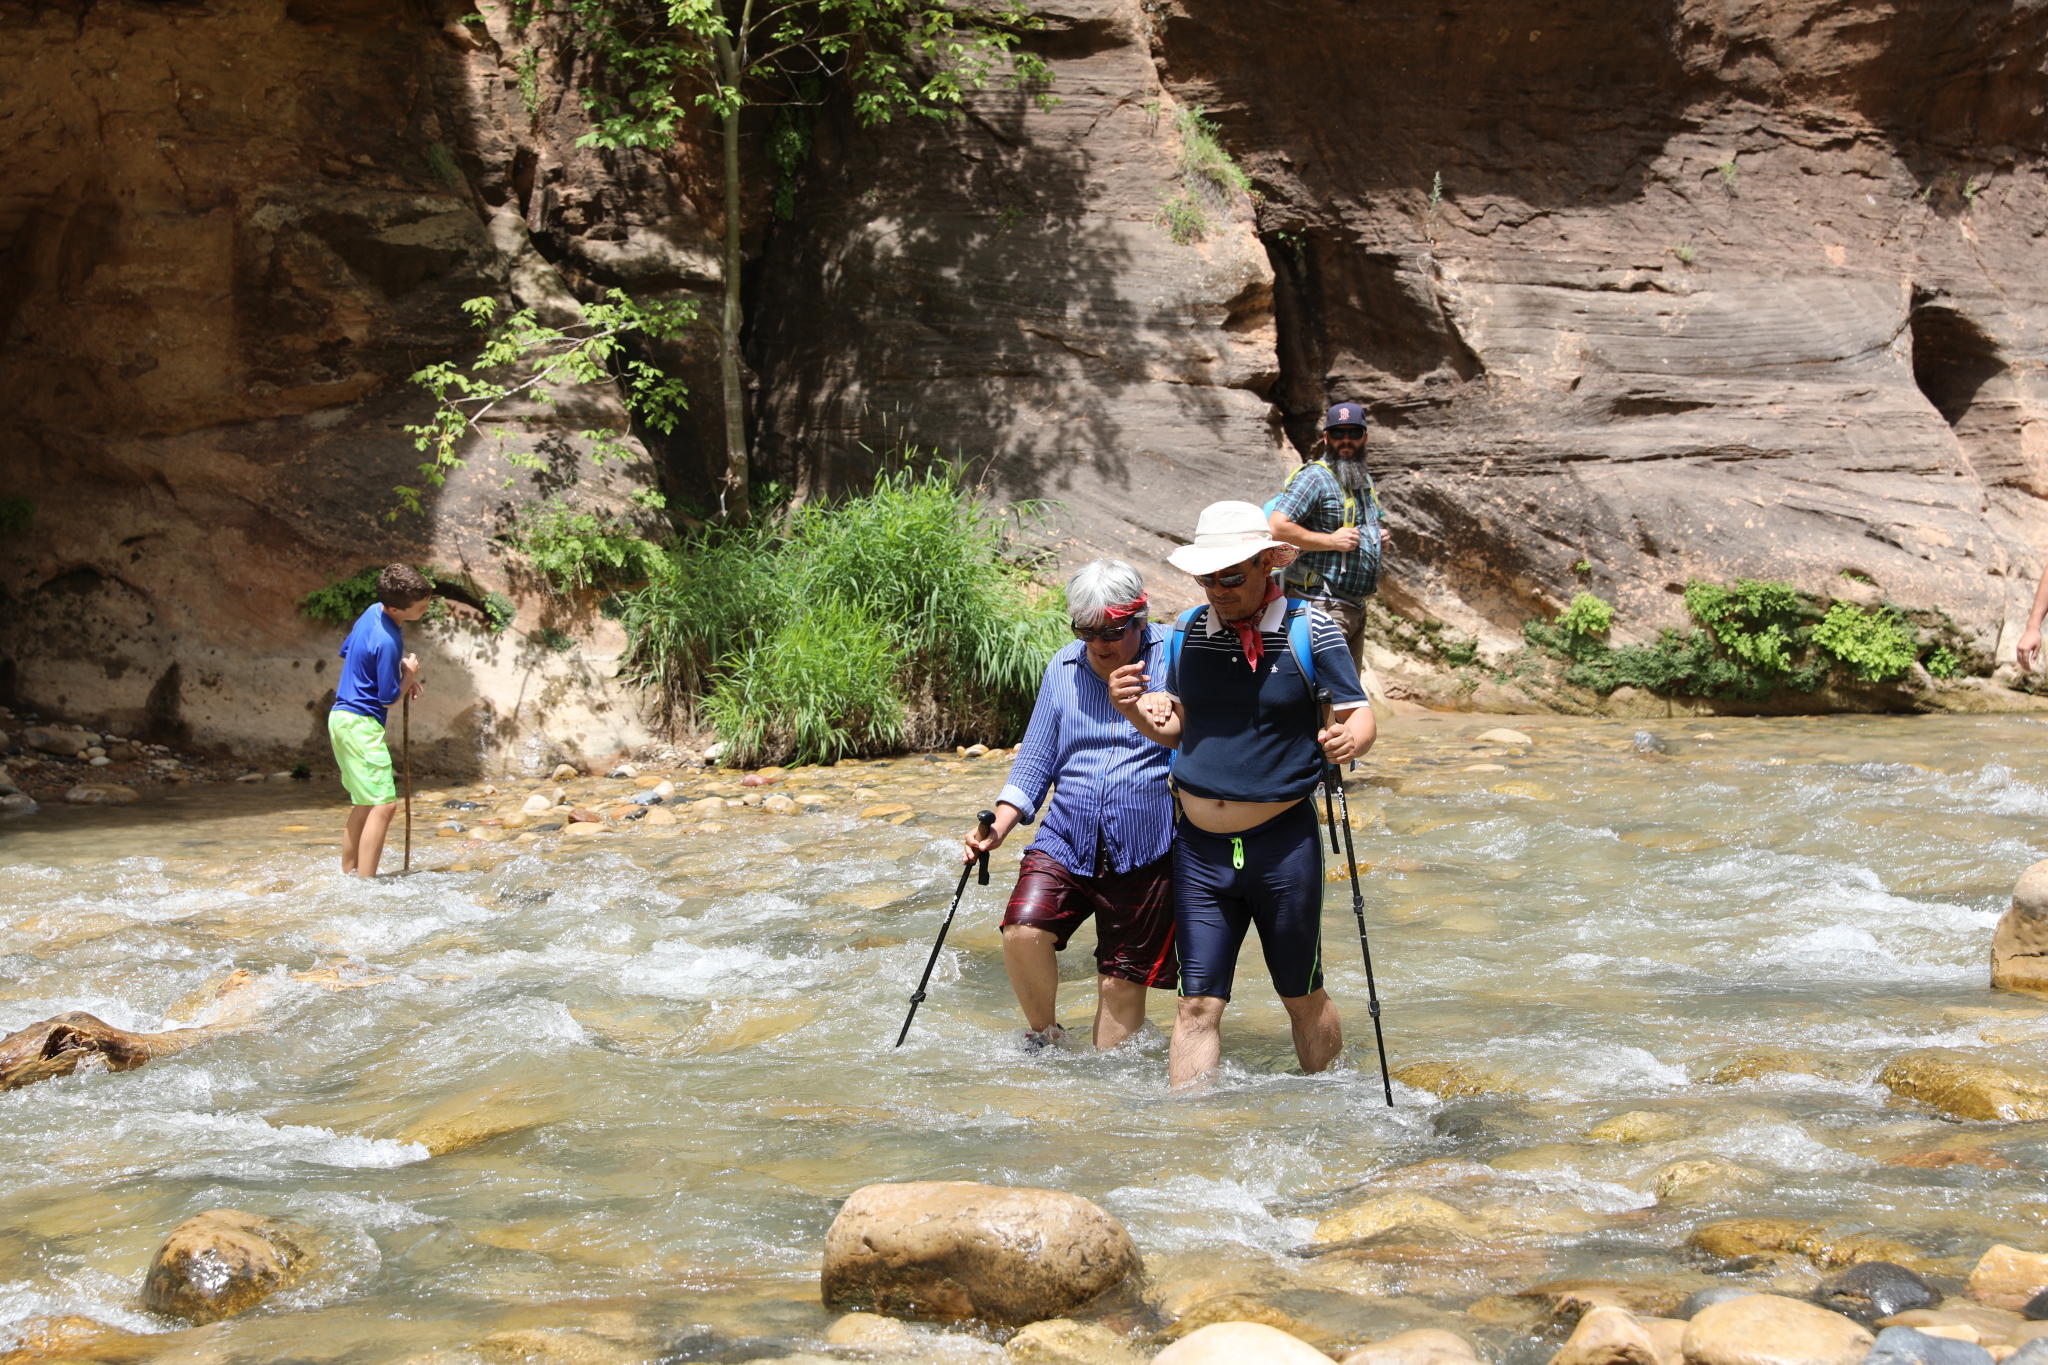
<point x="1111" y="780"/>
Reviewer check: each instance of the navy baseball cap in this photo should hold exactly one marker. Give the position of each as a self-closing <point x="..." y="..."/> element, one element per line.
<point x="1345" y="415"/>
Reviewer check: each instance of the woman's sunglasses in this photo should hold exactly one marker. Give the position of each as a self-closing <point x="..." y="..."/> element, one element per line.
<point x="1109" y="634"/>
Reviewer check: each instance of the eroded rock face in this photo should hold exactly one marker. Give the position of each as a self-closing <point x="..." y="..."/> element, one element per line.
<point x="220" y="1263"/>
<point x="956" y="1250"/>
<point x="1766" y="1329"/>
<point x="2019" y="946"/>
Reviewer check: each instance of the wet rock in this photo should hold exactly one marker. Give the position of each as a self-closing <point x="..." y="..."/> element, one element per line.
<point x="1638" y="1125"/>
<point x="868" y="1329"/>
<point x="63" y="743"/>
<point x="1767" y="1329"/>
<point x="587" y="830"/>
<point x="2019" y="945"/>
<point x="1910" y="1346"/>
<point x="220" y="1263"/>
<point x="1611" y="1336"/>
<point x="1646" y="743"/>
<point x="1735" y="1239"/>
<point x="1421" y="1346"/>
<point x="538" y="804"/>
<point x="101" y="794"/>
<point x="471" y="1119"/>
<point x="1504" y="735"/>
<point x="1402" y="1208"/>
<point x="1875" y="1289"/>
<point x="1240" y="1343"/>
<point x="551" y="1346"/>
<point x="2036" y="1309"/>
<point x="2006" y="1277"/>
<point x="585" y="815"/>
<point x="884" y="808"/>
<point x="1965" y="1088"/>
<point x="17" y="803"/>
<point x="58" y="1046"/>
<point x="779" y="804"/>
<point x="658" y="817"/>
<point x="78" y="1339"/>
<point x="1711" y="1295"/>
<point x="1448" y="1079"/>
<point x="1754" y="1063"/>
<point x="957" y="1250"/>
<point x="1062" y="1341"/>
<point x="564" y="772"/>
<point x="2034" y="1352"/>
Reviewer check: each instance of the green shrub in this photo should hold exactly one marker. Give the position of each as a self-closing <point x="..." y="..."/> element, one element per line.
<point x="775" y="631"/>
<point x="1587" y="615"/>
<point x="1762" y="624"/>
<point x="1201" y="154"/>
<point x="582" y="549"/>
<point x="343" y="600"/>
<point x="1873" y="645"/>
<point x="1943" y="663"/>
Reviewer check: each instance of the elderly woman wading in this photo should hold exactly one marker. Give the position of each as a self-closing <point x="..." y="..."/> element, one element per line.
<point x="1105" y="847"/>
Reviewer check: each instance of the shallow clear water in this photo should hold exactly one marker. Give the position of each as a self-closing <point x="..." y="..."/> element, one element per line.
<point x="690" y="1034"/>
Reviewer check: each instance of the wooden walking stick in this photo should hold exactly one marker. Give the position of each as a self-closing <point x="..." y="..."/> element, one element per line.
<point x="405" y="748"/>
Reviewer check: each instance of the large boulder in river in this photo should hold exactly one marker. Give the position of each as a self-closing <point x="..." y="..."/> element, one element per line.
<point x="58" y="1046"/>
<point x="2006" y="1277"/>
<point x="1768" y="1329"/>
<point x="2019" y="946"/>
<point x="956" y="1250"/>
<point x="219" y="1263"/>
<point x="1240" y="1343"/>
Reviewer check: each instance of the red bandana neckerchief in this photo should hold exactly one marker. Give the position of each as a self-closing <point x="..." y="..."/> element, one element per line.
<point x="1248" y="629"/>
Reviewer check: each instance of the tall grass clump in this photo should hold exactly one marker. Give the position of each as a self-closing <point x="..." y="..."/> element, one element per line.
<point x="853" y="627"/>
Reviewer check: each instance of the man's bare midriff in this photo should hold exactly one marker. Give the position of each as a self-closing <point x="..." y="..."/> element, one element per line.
<point x="1216" y="816"/>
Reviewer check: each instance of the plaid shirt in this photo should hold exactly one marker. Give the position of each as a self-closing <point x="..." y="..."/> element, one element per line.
<point x="1314" y="501"/>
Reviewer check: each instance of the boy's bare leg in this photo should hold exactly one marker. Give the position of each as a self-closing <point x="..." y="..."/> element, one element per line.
<point x="1119" y="1010"/>
<point x="1034" y="972"/>
<point x="1318" y="1033"/>
<point x="370" y="845"/>
<point x="352" y="838"/>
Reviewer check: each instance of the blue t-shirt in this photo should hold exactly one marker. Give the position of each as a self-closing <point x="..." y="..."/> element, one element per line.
<point x="370" y="659"/>
<point x="1251" y="736"/>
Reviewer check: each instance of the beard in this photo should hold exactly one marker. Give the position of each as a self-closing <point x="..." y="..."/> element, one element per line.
<point x="1350" y="473"/>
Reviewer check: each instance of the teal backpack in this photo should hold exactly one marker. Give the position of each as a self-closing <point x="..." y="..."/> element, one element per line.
<point x="1296" y="623"/>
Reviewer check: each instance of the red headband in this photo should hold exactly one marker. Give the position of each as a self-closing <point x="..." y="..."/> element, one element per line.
<point x="1127" y="610"/>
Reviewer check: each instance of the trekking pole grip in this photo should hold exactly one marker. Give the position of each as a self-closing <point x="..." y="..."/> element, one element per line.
<point x="986" y="830"/>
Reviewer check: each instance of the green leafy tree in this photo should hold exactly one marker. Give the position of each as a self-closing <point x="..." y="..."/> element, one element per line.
<point x="895" y="56"/>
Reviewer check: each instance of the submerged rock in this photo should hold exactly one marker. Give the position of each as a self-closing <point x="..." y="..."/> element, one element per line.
<point x="1568" y="1301"/>
<point x="1402" y="1208"/>
<point x="1240" y="1343"/>
<point x="1965" y="1088"/>
<point x="1682" y="1182"/>
<point x="1449" y="1079"/>
<point x="1767" y="1329"/>
<point x="58" y="1046"/>
<point x="220" y="1263"/>
<point x="958" y="1250"/>
<point x="2019" y="946"/>
<point x="1637" y="1125"/>
<point x="1756" y="1062"/>
<point x="1711" y="1295"/>
<point x="1875" y="1289"/>
<point x="1062" y="1341"/>
<point x="477" y="1116"/>
<point x="1734" y="1239"/>
<point x="101" y="794"/>
<point x="2006" y="1277"/>
<point x="1421" y="1346"/>
<point x="868" y="1329"/>
<point x="1910" y="1346"/>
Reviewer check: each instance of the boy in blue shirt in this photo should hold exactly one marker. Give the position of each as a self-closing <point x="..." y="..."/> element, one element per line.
<point x="375" y="672"/>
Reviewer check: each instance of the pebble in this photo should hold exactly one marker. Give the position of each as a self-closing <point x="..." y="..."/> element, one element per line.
<point x="95" y="751"/>
<point x="101" y="794"/>
<point x="1911" y="1346"/>
<point x="1769" y="1329"/>
<point x="1711" y="1295"/>
<point x="17" y="803"/>
<point x="564" y="772"/>
<point x="250" y="777"/>
<point x="1504" y="736"/>
<point x="780" y="804"/>
<point x="100" y="761"/>
<point x="538" y="804"/>
<point x="1240" y="1343"/>
<point x="583" y="815"/>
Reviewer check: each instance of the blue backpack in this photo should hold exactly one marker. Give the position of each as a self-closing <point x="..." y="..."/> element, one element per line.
<point x="1296" y="623"/>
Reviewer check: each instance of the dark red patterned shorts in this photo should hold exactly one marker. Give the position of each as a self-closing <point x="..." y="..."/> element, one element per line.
<point x="1133" y="915"/>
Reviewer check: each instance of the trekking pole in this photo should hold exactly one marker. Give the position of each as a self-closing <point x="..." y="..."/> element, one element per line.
<point x="986" y="828"/>
<point x="1372" y="992"/>
<point x="405" y="748"/>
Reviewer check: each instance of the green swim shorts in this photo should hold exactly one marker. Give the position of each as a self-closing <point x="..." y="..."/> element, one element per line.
<point x="364" y="758"/>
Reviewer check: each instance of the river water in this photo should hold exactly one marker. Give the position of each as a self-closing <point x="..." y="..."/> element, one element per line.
<point x="686" y="1034"/>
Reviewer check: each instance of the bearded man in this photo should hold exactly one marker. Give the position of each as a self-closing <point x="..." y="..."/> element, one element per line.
<point x="1331" y="513"/>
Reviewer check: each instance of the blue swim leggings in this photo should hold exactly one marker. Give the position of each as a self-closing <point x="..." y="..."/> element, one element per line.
<point x="1272" y="876"/>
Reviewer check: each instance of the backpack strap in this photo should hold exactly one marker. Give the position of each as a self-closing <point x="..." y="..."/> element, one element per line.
<point x="1173" y="643"/>
<point x="1297" y="627"/>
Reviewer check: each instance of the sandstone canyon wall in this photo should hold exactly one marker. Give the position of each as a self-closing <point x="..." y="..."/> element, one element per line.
<point x="1707" y="290"/>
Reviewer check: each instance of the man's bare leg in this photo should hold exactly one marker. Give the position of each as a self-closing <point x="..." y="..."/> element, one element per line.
<point x="1034" y="967"/>
<point x="352" y="838"/>
<point x="370" y="843"/>
<point x="1119" y="1010"/>
<point x="1197" y="1047"/>
<point x="1318" y="1032"/>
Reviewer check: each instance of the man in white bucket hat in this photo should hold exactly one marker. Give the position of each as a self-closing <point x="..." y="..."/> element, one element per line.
<point x="1243" y="676"/>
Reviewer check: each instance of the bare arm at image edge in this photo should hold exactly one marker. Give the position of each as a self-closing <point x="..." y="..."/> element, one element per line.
<point x="2030" y="639"/>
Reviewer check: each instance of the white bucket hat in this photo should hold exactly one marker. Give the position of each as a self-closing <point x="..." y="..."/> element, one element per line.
<point x="1228" y="533"/>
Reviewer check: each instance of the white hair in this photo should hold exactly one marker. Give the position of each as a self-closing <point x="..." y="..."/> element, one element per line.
<point x="1099" y="585"/>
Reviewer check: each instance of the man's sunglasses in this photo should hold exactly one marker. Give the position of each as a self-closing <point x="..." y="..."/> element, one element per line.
<point x="1108" y="634"/>
<point x="1222" y="580"/>
<point x="1346" y="433"/>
